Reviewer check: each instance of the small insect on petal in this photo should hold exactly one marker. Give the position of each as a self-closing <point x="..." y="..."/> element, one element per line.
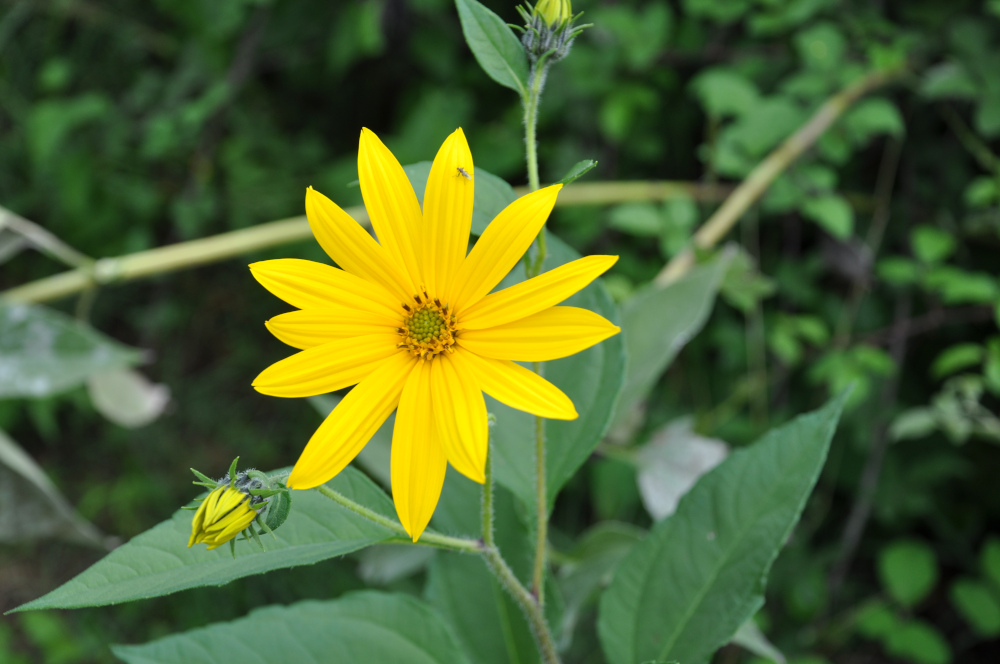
<point x="464" y="173"/>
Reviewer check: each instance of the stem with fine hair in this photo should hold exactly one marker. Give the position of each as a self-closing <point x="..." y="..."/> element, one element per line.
<point x="532" y="609"/>
<point x="428" y="539"/>
<point x="533" y="269"/>
<point x="488" y="496"/>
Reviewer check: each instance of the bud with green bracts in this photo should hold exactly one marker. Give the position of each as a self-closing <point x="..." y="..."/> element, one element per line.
<point x="247" y="502"/>
<point x="548" y="31"/>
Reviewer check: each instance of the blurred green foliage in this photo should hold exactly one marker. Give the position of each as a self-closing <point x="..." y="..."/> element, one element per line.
<point x="872" y="261"/>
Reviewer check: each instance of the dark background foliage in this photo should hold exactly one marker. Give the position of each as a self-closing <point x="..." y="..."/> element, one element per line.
<point x="873" y="261"/>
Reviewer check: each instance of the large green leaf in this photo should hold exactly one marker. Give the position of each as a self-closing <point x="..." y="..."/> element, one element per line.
<point x="44" y="352"/>
<point x="358" y="628"/>
<point x="159" y="562"/>
<point x="658" y="321"/>
<point x="700" y="574"/>
<point x="497" y="49"/>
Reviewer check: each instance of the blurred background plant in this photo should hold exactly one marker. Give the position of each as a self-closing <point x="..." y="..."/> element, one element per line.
<point x="873" y="260"/>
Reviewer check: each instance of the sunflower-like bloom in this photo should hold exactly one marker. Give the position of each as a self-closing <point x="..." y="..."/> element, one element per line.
<point x="410" y="320"/>
<point x="223" y="515"/>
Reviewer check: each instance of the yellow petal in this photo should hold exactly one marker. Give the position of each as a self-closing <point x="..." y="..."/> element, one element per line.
<point x="418" y="461"/>
<point x="352" y="423"/>
<point x="519" y="388"/>
<point x="534" y="295"/>
<point x="460" y="414"/>
<point x="351" y="247"/>
<point x="310" y="285"/>
<point x="314" y="327"/>
<point x="501" y="246"/>
<point x="447" y="213"/>
<point x="332" y="366"/>
<point x="392" y="206"/>
<point x="199" y="520"/>
<point x="548" y="335"/>
<point x="235" y="525"/>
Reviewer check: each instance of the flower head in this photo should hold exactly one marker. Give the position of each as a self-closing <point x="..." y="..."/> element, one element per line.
<point x="410" y="320"/>
<point x="549" y="30"/>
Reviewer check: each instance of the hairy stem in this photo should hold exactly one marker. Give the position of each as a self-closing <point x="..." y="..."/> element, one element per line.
<point x="532" y="609"/>
<point x="428" y="539"/>
<point x="541" y="508"/>
<point x="488" y="497"/>
<point x="755" y="184"/>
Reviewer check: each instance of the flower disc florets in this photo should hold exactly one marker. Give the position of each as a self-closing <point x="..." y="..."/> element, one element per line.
<point x="428" y="329"/>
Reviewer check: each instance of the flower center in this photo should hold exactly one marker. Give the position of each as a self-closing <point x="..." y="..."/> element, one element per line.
<point x="428" y="328"/>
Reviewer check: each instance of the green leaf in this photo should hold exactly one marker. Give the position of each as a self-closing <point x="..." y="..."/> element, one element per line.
<point x="979" y="606"/>
<point x="579" y="169"/>
<point x="639" y="219"/>
<point x="592" y="379"/>
<point x="700" y="574"/>
<point x="931" y="244"/>
<point x="159" y="562"/>
<point x="989" y="561"/>
<point x="127" y="398"/>
<point x="948" y="80"/>
<point x="45" y="352"/>
<point x="833" y="213"/>
<point x="956" y="358"/>
<point x="898" y="271"/>
<point x="497" y="49"/>
<point x="821" y="46"/>
<point x="916" y="641"/>
<point x="658" y="321"/>
<point x="724" y="92"/>
<point x="908" y="571"/>
<point x="876" y="620"/>
<point x="359" y="627"/>
<point x="872" y="117"/>
<point x="957" y="286"/>
<point x="913" y="423"/>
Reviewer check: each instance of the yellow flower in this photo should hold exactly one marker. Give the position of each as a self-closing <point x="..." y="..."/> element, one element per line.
<point x="554" y="11"/>
<point x="411" y="321"/>
<point x="223" y="514"/>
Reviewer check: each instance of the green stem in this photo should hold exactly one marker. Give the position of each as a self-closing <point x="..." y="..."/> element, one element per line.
<point x="532" y="269"/>
<point x="428" y="539"/>
<point x="532" y="609"/>
<point x="488" y="497"/>
<point x="541" y="507"/>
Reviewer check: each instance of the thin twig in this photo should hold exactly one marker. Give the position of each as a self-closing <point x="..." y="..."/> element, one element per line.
<point x="928" y="322"/>
<point x="44" y="241"/>
<point x="755" y="184"/>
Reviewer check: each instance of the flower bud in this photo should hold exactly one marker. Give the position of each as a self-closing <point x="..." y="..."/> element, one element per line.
<point x="555" y="12"/>
<point x="223" y="515"/>
<point x="235" y="504"/>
